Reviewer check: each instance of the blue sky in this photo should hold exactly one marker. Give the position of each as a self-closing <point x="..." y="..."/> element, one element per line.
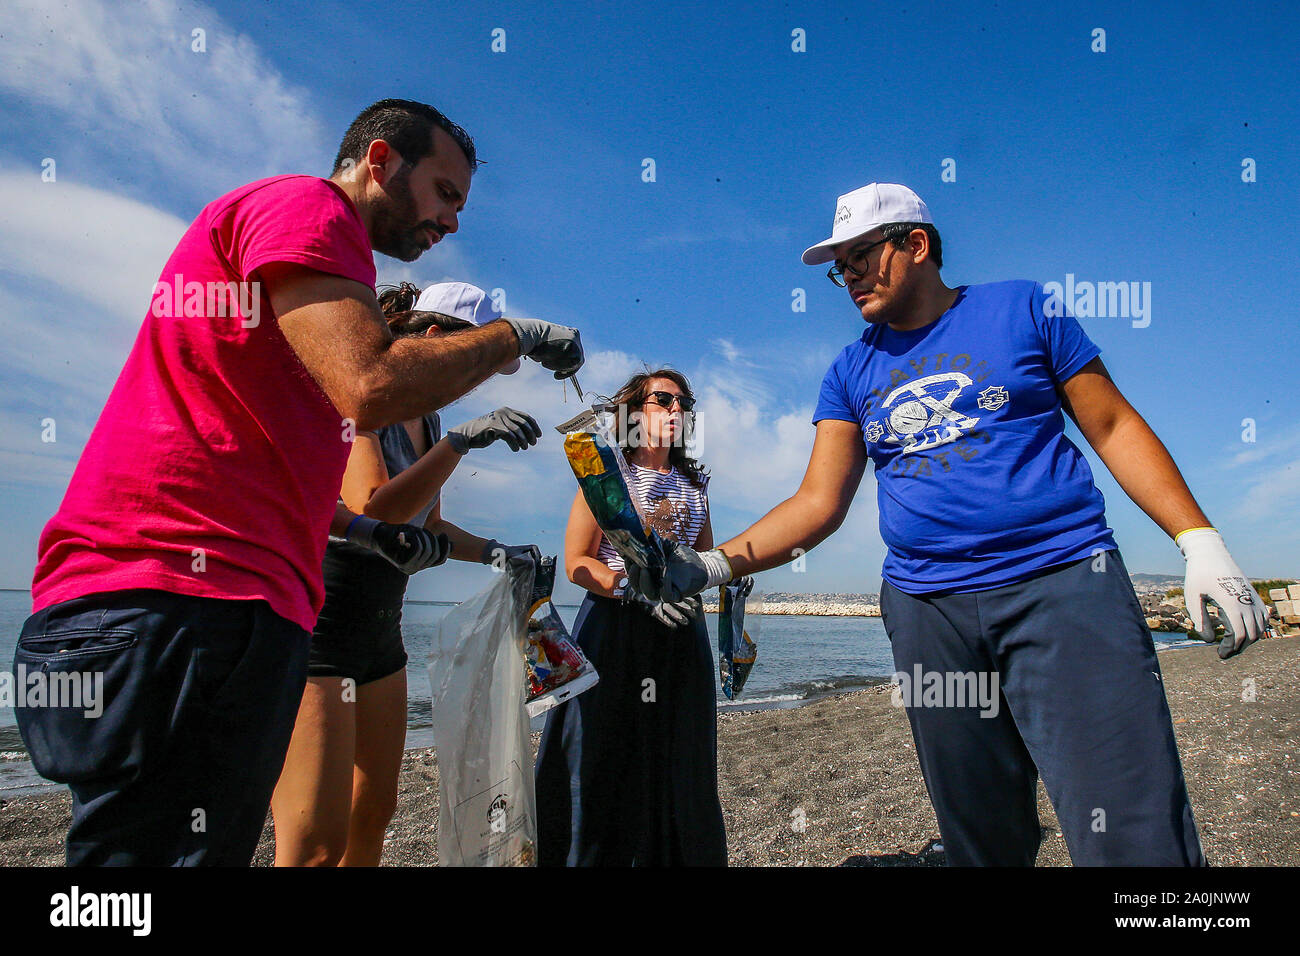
<point x="1115" y="166"/>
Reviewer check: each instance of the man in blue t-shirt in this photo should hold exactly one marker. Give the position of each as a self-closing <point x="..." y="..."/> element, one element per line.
<point x="1019" y="645"/>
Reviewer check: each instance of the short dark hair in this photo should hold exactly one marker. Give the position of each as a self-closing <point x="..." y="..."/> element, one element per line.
<point x="897" y="233"/>
<point x="405" y="125"/>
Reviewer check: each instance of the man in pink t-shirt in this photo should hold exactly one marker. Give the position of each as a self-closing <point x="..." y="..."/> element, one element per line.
<point x="183" y="568"/>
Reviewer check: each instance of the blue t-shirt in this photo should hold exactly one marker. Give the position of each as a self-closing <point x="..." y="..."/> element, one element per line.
<point x="977" y="484"/>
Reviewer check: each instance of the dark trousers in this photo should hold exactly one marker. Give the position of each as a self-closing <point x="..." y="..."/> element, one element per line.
<point x="198" y="698"/>
<point x="1079" y="699"/>
<point x="627" y="772"/>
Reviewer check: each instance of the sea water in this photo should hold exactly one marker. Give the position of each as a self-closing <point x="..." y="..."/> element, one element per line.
<point x="800" y="658"/>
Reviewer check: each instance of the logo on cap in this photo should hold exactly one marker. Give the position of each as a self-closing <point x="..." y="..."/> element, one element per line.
<point x="843" y="214"/>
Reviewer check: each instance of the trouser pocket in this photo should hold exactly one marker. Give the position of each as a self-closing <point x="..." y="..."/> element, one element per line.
<point x="78" y="693"/>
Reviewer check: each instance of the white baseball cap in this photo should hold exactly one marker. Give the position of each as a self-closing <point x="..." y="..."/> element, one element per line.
<point x="862" y="210"/>
<point x="461" y="300"/>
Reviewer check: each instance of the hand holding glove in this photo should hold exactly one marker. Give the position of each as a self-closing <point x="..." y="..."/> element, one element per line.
<point x="672" y="615"/>
<point x="557" y="347"/>
<point x="688" y="572"/>
<point x="515" y="428"/>
<point x="408" y="547"/>
<point x="1212" y="575"/>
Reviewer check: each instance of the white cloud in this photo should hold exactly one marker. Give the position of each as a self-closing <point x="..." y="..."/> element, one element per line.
<point x="71" y="302"/>
<point x="123" y="78"/>
<point x="1268" y="446"/>
<point x="120" y="98"/>
<point x="125" y="100"/>
<point x="1266" y="484"/>
<point x="727" y="348"/>
<point x="1271" y="493"/>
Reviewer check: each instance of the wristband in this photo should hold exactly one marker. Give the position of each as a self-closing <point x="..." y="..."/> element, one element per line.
<point x="458" y="442"/>
<point x="361" y="530"/>
<point x="1210" y="536"/>
<point x="718" y="566"/>
<point x="489" y="551"/>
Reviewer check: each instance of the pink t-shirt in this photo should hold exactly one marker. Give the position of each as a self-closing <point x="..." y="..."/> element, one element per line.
<point x="214" y="468"/>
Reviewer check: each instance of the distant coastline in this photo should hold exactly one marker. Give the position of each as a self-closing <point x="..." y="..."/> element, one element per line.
<point x="810" y="607"/>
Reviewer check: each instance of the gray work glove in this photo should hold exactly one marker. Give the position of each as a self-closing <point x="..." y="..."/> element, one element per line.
<point x="557" y="347"/>
<point x="497" y="554"/>
<point x="688" y="572"/>
<point x="515" y="428"/>
<point x="408" y="547"/>
<point x="672" y="615"/>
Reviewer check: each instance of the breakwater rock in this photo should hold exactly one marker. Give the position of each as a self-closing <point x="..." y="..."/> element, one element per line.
<point x="815" y="608"/>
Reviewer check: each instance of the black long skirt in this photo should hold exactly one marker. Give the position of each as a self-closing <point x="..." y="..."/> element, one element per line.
<point x="627" y="772"/>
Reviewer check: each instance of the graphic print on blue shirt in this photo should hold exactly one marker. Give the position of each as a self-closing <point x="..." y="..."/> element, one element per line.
<point x="977" y="483"/>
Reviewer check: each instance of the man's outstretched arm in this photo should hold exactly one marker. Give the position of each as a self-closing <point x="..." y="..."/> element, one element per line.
<point x="1130" y="450"/>
<point x="1146" y="471"/>
<point x="799" y="523"/>
<point x="814" y="512"/>
<point x="335" y="327"/>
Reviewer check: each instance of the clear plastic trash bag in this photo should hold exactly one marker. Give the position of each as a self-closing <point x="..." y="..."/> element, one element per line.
<point x="488" y="812"/>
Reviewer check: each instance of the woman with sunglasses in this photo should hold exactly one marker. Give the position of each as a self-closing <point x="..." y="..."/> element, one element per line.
<point x="338" y="789"/>
<point x="627" y="772"/>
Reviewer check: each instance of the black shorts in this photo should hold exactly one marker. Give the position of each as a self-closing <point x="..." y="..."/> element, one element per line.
<point x="358" y="634"/>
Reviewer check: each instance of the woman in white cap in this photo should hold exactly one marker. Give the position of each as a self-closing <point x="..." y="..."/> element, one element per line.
<point x="338" y="789"/>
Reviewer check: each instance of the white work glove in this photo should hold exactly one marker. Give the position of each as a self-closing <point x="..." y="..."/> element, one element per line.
<point x="688" y="572"/>
<point x="1212" y="575"/>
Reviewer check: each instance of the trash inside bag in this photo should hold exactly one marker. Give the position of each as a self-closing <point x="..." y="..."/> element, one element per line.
<point x="557" y="669"/>
<point x="737" y="651"/>
<point x="488" y="814"/>
<point x="605" y="479"/>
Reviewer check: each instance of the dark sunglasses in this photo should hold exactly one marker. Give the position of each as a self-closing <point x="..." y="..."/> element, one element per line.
<point x="666" y="399"/>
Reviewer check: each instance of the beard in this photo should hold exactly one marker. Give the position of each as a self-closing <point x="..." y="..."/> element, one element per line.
<point x="398" y="231"/>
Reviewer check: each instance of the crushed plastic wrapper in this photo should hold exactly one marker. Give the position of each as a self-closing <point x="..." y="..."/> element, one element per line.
<point x="737" y="651"/>
<point x="605" y="479"/>
<point x="557" y="670"/>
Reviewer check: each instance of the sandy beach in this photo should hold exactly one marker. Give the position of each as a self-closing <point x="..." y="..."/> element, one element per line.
<point x="835" y="782"/>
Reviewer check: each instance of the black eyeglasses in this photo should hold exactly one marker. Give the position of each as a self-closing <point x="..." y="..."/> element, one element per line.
<point x="858" y="256"/>
<point x="666" y="399"/>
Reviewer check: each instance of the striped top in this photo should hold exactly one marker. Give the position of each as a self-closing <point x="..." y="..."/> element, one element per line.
<point x="674" y="506"/>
